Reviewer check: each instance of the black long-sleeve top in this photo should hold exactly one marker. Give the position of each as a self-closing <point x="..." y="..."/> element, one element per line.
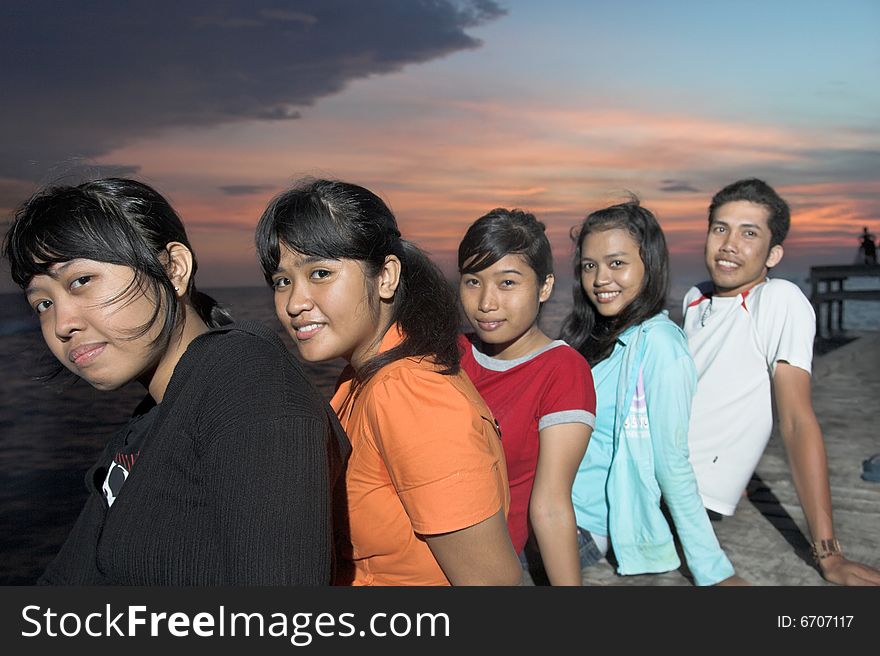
<point x="233" y="484"/>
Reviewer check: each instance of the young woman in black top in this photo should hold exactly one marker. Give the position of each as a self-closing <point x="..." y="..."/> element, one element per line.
<point x="225" y="473"/>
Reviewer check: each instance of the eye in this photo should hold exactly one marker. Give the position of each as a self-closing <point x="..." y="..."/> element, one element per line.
<point x="278" y="283"/>
<point x="616" y="264"/>
<point x="471" y="282"/>
<point x="320" y="274"/>
<point x="751" y="233"/>
<point x="587" y="266"/>
<point x="42" y="306"/>
<point x="79" y="282"/>
<point x="718" y="229"/>
<point x="508" y="283"/>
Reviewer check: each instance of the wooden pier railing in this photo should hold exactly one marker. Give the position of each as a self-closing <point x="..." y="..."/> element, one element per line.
<point x="827" y="290"/>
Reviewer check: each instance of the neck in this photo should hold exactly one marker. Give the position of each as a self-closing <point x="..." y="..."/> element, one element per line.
<point x="365" y="352"/>
<point x="529" y="342"/>
<point x="192" y="327"/>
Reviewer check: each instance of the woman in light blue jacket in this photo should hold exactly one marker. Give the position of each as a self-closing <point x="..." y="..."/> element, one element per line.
<point x="645" y="382"/>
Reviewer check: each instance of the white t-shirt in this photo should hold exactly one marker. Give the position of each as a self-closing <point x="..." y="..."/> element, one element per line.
<point x="736" y="343"/>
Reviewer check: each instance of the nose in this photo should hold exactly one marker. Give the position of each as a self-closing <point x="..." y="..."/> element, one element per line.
<point x="299" y="300"/>
<point x="68" y="319"/>
<point x="729" y="245"/>
<point x="602" y="276"/>
<point x="488" y="300"/>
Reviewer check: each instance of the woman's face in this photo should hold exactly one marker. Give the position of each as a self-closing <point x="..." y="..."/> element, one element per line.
<point x="89" y="313"/>
<point x="325" y="307"/>
<point x="501" y="302"/>
<point x="612" y="271"/>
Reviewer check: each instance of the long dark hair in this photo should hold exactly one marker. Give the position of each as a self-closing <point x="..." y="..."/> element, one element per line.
<point x="113" y="220"/>
<point x="339" y="220"/>
<point x="584" y="328"/>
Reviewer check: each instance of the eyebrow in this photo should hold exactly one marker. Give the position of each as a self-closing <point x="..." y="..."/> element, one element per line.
<point x="308" y="259"/>
<point x="741" y="225"/>
<point x="53" y="272"/>
<point x="618" y="254"/>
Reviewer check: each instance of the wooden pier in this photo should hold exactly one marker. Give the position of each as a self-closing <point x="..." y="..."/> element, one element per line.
<point x="827" y="289"/>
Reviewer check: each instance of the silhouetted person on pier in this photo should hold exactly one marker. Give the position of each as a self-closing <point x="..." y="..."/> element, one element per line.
<point x="867" y="248"/>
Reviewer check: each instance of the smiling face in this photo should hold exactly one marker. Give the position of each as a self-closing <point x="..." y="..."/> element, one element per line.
<point x="327" y="307"/>
<point x="612" y="271"/>
<point x="738" y="252"/>
<point x="91" y="315"/>
<point x="501" y="303"/>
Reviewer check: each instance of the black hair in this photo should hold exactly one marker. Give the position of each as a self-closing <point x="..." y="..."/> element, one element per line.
<point x="592" y="334"/>
<point x="502" y="232"/>
<point x="759" y="192"/>
<point x="337" y="220"/>
<point x="112" y="220"/>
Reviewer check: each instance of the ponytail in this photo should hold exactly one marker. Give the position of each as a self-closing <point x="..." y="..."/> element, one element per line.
<point x="210" y="311"/>
<point x="426" y="311"/>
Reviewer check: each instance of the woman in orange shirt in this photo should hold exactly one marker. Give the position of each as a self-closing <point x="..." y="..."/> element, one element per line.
<point x="426" y="484"/>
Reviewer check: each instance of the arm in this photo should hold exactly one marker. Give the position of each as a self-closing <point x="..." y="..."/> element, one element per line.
<point x="550" y="509"/>
<point x="670" y="383"/>
<point x="269" y="491"/>
<point x="478" y="555"/>
<point x="809" y="469"/>
<point x="440" y="447"/>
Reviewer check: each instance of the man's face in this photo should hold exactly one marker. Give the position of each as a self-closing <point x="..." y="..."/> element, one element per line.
<point x="738" y="253"/>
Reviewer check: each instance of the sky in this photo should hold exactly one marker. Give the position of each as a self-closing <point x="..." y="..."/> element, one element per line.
<point x="448" y="109"/>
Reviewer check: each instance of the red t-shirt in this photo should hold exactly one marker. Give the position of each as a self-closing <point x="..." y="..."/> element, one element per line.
<point x="551" y="386"/>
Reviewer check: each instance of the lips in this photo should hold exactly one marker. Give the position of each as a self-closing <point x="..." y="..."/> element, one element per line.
<point x="606" y="297"/>
<point x="85" y="353"/>
<point x="489" y="326"/>
<point x="726" y="265"/>
<point x="306" y="331"/>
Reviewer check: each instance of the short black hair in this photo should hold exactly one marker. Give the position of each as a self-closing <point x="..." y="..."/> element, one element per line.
<point x="502" y="232"/>
<point x="759" y="192"/>
<point x="114" y="220"/>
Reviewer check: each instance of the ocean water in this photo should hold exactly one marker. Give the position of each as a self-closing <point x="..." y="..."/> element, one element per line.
<point x="52" y="431"/>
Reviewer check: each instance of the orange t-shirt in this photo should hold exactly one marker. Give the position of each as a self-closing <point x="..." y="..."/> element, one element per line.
<point x="426" y="459"/>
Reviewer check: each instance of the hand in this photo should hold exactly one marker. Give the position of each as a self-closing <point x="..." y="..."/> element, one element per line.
<point x="839" y="570"/>
<point x="733" y="581"/>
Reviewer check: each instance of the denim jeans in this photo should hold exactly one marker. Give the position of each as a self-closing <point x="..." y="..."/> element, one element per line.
<point x="587" y="550"/>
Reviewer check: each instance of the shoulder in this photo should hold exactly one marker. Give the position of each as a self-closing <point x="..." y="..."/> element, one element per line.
<point x="698" y="292"/>
<point x="565" y="357"/>
<point x="243" y="350"/>
<point x="415" y="385"/>
<point x="663" y="338"/>
<point x="779" y="300"/>
<point x="247" y="366"/>
<point x="660" y="329"/>
<point x="778" y="290"/>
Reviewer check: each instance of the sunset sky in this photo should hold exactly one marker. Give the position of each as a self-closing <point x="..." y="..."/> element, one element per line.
<point x="448" y="109"/>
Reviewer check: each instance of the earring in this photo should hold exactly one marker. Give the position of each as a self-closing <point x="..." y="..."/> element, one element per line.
<point x="177" y="289"/>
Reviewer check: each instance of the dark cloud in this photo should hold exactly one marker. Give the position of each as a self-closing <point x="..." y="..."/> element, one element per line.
<point x="245" y="189"/>
<point x="81" y="79"/>
<point x="677" y="186"/>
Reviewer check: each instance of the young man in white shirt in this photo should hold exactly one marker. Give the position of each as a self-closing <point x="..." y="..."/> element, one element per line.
<point x="747" y="334"/>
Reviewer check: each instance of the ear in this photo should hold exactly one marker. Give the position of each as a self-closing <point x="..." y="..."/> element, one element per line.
<point x="546" y="288"/>
<point x="179" y="266"/>
<point x="389" y="277"/>
<point x="774" y="256"/>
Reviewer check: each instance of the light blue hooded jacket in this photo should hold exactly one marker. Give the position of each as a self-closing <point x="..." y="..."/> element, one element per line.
<point x="650" y="458"/>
